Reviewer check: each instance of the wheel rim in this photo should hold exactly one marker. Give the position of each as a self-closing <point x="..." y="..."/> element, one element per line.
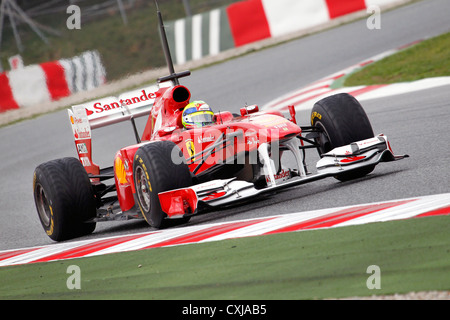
<point x="43" y="207"/>
<point x="142" y="189"/>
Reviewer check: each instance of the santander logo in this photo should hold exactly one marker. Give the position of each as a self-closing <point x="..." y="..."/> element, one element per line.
<point x="130" y="99"/>
<point x="284" y="174"/>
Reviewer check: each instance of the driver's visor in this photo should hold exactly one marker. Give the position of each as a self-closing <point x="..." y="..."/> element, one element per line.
<point x="201" y="117"/>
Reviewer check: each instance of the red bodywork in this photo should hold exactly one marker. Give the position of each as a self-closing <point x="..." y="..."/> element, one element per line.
<point x="164" y="123"/>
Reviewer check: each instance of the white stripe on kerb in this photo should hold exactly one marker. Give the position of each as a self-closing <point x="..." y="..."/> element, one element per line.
<point x="196" y="37"/>
<point x="68" y="73"/>
<point x="152" y="239"/>
<point x="29" y="86"/>
<point x="377" y="2"/>
<point x="89" y="64"/>
<point x="214" y="32"/>
<point x="180" y="52"/>
<point x="78" y="72"/>
<point x="43" y="252"/>
<point x="285" y="16"/>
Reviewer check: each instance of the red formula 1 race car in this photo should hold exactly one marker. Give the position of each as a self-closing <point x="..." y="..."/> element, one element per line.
<point x="189" y="159"/>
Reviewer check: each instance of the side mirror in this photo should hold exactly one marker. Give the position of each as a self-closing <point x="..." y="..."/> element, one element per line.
<point x="249" y="109"/>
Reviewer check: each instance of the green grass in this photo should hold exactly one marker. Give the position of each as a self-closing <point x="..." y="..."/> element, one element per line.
<point x="413" y="255"/>
<point x="429" y="58"/>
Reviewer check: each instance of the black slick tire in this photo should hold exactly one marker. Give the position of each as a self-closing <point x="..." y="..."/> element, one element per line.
<point x="342" y="121"/>
<point x="64" y="199"/>
<point x="155" y="171"/>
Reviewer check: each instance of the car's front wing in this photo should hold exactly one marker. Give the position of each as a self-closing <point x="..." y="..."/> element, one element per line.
<point x="215" y="193"/>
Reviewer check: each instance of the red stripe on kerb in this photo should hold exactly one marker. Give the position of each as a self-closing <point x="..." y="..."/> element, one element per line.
<point x="365" y="63"/>
<point x="337" y="217"/>
<point x="337" y="8"/>
<point x="248" y="22"/>
<point x="15" y="253"/>
<point x="329" y="78"/>
<point x="7" y="101"/>
<point x="89" y="248"/>
<point x="207" y="233"/>
<point x="298" y="102"/>
<point x="56" y="80"/>
<point x="409" y="44"/>
<point x="367" y="89"/>
<point x="437" y="212"/>
<point x="303" y="93"/>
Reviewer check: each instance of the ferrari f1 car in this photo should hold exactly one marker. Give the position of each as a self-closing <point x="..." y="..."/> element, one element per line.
<point x="171" y="173"/>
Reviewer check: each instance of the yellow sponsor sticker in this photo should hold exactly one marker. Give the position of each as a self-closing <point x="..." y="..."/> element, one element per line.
<point x="317" y="115"/>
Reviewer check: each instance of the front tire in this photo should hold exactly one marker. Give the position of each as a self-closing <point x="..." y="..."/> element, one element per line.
<point x="64" y="199"/>
<point x="155" y="171"/>
<point x="342" y="120"/>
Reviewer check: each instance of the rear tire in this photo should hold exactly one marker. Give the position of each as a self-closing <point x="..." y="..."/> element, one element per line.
<point x="64" y="199"/>
<point x="342" y="121"/>
<point x="155" y="171"/>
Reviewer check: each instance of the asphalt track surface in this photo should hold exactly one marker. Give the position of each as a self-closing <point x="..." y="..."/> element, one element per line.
<point x="415" y="123"/>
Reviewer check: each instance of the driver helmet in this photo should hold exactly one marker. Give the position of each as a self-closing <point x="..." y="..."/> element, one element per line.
<point x="196" y="115"/>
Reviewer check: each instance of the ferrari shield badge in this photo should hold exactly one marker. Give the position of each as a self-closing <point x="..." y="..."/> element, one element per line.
<point x="190" y="148"/>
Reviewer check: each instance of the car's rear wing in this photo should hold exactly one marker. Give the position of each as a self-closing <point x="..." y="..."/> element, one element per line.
<point x="104" y="112"/>
<point x="110" y="110"/>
